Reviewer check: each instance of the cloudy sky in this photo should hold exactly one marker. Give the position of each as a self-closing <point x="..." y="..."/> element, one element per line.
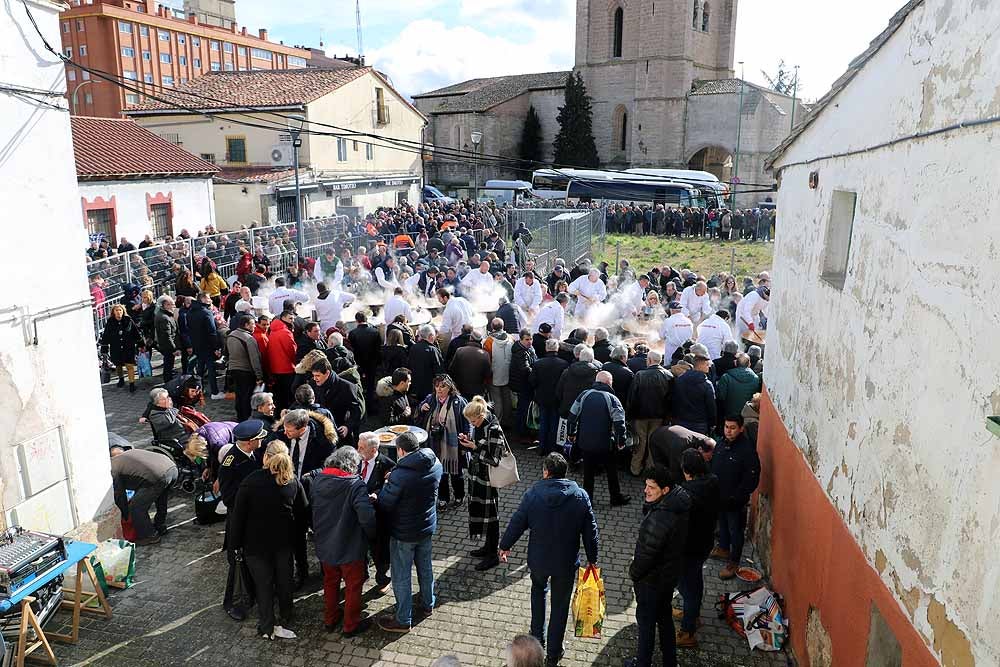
<point x="426" y="44"/>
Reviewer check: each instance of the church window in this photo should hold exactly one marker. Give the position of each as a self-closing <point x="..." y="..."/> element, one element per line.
<point x="704" y="18"/>
<point x="619" y="27"/>
<point x="620" y="125"/>
<point x="694" y="17"/>
<point x="623" y="140"/>
<point x="456" y="136"/>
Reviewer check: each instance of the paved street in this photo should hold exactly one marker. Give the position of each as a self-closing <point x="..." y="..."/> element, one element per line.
<point x="173" y="614"/>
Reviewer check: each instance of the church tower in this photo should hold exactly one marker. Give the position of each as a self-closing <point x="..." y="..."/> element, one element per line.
<point x="639" y="59"/>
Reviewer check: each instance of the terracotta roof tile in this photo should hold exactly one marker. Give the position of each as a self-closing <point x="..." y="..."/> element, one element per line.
<point x="111" y="147"/>
<point x="477" y="95"/>
<point x="252" y="174"/>
<point x="260" y="88"/>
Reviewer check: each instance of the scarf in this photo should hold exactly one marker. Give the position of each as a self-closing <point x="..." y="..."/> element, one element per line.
<point x="448" y="445"/>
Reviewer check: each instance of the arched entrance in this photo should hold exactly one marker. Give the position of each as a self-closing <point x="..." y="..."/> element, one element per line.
<point x="715" y="160"/>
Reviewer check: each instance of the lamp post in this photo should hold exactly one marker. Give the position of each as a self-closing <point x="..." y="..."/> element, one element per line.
<point x="77" y="88"/>
<point x="295" y="123"/>
<point x="476" y="137"/>
<point x="739" y="137"/>
<point x="795" y="94"/>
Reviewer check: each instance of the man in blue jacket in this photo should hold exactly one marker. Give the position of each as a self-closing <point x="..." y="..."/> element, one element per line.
<point x="737" y="466"/>
<point x="558" y="514"/>
<point x="204" y="341"/>
<point x="409" y="500"/>
<point x="597" y="426"/>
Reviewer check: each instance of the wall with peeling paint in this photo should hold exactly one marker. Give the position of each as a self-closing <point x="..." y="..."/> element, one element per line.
<point x="885" y="385"/>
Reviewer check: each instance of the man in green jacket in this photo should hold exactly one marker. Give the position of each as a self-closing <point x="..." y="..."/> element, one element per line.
<point x="737" y="386"/>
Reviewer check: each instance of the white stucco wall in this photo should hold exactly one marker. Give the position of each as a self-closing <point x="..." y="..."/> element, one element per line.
<point x="192" y="203"/>
<point x="886" y="385"/>
<point x="53" y="385"/>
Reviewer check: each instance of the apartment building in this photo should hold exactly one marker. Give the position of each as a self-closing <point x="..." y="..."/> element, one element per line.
<point x="154" y="46"/>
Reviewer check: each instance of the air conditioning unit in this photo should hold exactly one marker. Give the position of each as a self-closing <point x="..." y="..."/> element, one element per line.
<point x="281" y="155"/>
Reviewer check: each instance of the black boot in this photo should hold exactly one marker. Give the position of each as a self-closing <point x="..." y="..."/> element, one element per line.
<point x="121" y="382"/>
<point x="131" y="387"/>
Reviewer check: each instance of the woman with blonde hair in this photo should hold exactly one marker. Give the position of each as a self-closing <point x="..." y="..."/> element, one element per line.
<point x="487" y="446"/>
<point x="262" y="524"/>
<point x="122" y="342"/>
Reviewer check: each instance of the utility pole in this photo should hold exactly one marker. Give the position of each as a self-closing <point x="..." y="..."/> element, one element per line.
<point x="357" y="20"/>
<point x="739" y="137"/>
<point x="295" y="123"/>
<point x="477" y="137"/>
<point x="795" y="94"/>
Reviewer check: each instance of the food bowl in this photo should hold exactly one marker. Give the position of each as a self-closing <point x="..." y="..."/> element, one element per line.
<point x="749" y="574"/>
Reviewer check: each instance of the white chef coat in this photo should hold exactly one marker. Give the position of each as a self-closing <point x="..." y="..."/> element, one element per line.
<point x="748" y="311"/>
<point x="551" y="313"/>
<point x="529" y="298"/>
<point x="582" y="287"/>
<point x="396" y="305"/>
<point x="385" y="280"/>
<point x="277" y="298"/>
<point x="329" y="310"/>
<point x="336" y="280"/>
<point x="476" y="282"/>
<point x="698" y="308"/>
<point x="457" y="313"/>
<point x="676" y="330"/>
<point x="713" y="333"/>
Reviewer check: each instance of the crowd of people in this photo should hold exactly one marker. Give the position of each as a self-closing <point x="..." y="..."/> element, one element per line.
<point x="585" y="367"/>
<point x="751" y="224"/>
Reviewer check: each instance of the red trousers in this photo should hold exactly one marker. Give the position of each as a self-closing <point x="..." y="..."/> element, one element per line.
<point x="353" y="575"/>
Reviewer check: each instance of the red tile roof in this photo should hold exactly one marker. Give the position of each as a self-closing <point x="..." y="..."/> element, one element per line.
<point x="110" y="147"/>
<point x="260" y="88"/>
<point x="252" y="175"/>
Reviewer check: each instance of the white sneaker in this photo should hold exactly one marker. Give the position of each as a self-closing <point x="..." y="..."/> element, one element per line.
<point x="284" y="633"/>
<point x="218" y="397"/>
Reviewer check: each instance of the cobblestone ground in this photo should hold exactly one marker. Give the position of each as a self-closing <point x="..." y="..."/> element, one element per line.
<point x="173" y="615"/>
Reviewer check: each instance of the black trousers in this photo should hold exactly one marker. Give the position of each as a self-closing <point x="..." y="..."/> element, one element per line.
<point x="300" y="548"/>
<point x="168" y="364"/>
<point x="457" y="484"/>
<point x="243" y="383"/>
<point x="282" y="391"/>
<point x="380" y="548"/>
<point x="591" y="461"/>
<point x="272" y="576"/>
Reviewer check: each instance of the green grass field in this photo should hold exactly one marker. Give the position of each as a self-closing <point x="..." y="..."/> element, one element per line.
<point x="703" y="256"/>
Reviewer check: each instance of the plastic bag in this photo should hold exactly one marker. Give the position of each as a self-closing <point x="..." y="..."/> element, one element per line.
<point x="144" y="365"/>
<point x="589" y="603"/>
<point x="117" y="558"/>
<point x="756" y="615"/>
<point x="534" y="417"/>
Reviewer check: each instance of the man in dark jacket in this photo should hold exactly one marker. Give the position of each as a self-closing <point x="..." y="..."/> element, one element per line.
<point x="522" y="359"/>
<point x="308" y="339"/>
<point x="568" y="346"/>
<point x="602" y="346"/>
<point x="544" y="378"/>
<point x="637" y="361"/>
<point x="539" y="338"/>
<point x="165" y="327"/>
<point x="647" y="406"/>
<point x="558" y="514"/>
<point x="597" y="427"/>
<point x="205" y="342"/>
<point x="366" y="343"/>
<point x="656" y="566"/>
<point x="693" y="397"/>
<point x="459" y="341"/>
<point x="579" y="376"/>
<point x="620" y="373"/>
<point x="343" y="527"/>
<point x="374" y="469"/>
<point x="424" y="363"/>
<point x="471" y="368"/>
<point x="342" y="398"/>
<point x="737" y="466"/>
<point x="703" y="487"/>
<point x="727" y="361"/>
<point x="668" y="443"/>
<point x="409" y="499"/>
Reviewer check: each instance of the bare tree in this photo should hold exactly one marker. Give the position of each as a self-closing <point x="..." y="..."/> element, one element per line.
<point x="784" y="80"/>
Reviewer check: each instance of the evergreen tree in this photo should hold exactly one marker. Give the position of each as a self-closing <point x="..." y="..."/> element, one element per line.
<point x="574" y="144"/>
<point x="530" y="148"/>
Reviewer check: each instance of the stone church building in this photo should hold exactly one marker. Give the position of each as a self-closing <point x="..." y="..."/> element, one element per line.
<point x="660" y="74"/>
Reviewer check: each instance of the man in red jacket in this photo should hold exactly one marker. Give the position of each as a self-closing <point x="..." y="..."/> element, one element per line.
<point x="281" y="358"/>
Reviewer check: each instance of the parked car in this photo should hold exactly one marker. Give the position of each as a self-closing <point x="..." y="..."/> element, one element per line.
<point x="432" y="194"/>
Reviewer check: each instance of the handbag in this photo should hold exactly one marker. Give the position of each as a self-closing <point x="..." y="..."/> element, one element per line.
<point x="144" y="365"/>
<point x="504" y="473"/>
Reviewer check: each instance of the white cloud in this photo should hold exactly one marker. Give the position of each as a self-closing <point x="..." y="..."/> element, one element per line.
<point x="428" y="54"/>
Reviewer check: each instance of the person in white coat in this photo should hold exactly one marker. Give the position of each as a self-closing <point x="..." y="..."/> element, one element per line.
<point x="457" y="313"/>
<point x="385" y="273"/>
<point x="750" y="308"/>
<point x="396" y="305"/>
<point x="552" y="313"/>
<point x="329" y="269"/>
<point x="696" y="304"/>
<point x="676" y="330"/>
<point x="589" y="291"/>
<point x="330" y="305"/>
<point x="714" y="332"/>
<point x="478" y="282"/>
<point x="528" y="294"/>
<point x="277" y="298"/>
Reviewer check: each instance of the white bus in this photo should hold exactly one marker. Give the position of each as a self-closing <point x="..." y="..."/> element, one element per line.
<point x="715" y="191"/>
<point x="612" y="186"/>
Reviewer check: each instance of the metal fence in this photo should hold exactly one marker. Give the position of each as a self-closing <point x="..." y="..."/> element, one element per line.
<point x="571" y="234"/>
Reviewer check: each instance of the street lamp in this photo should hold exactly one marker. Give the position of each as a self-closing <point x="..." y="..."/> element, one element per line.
<point x="476" y="137"/>
<point x="77" y="88"/>
<point x="739" y="137"/>
<point x="295" y="123"/>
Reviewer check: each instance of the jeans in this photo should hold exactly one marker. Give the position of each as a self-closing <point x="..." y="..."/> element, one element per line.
<point x="591" y="461"/>
<point x="732" y="524"/>
<point x="502" y="404"/>
<point x="353" y="575"/>
<point x="272" y="573"/>
<point x="652" y="613"/>
<point x="402" y="556"/>
<point x="206" y="370"/>
<point x="692" y="588"/>
<point x="562" y="590"/>
<point x="548" y="427"/>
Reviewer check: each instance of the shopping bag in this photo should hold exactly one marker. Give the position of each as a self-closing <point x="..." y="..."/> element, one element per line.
<point x="144" y="365"/>
<point x="534" y="416"/>
<point x="101" y="581"/>
<point x="756" y="615"/>
<point x="117" y="558"/>
<point x="589" y="603"/>
<point x="504" y="474"/>
<point x="243" y="586"/>
<point x="128" y="531"/>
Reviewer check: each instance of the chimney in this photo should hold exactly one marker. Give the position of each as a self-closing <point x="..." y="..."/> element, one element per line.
<point x="232" y="28"/>
<point x="244" y="31"/>
<point x="262" y="33"/>
<point x="193" y="18"/>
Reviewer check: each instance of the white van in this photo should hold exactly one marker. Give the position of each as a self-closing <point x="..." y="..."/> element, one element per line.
<point x="505" y="192"/>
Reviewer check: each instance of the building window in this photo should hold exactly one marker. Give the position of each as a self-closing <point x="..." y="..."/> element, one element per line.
<point x="619" y="30"/>
<point x="208" y="157"/>
<point x="88" y="98"/>
<point x="101" y="221"/>
<point x="181" y="39"/>
<point x="123" y="27"/>
<point x="164" y="35"/>
<point x="68" y="52"/>
<point x="143" y="31"/>
<point x="381" y="110"/>
<point x="71" y="75"/>
<point x="197" y="63"/>
<point x="837" y="249"/>
<point x="296" y="61"/>
<point x="196" y="41"/>
<point x="228" y="67"/>
<point x="341" y="149"/>
<point x="131" y="98"/>
<point x="261" y="54"/>
<point x="128" y="52"/>
<point x="168" y="81"/>
<point x="620" y="124"/>
<point x="213" y="45"/>
<point x="236" y="150"/>
<point x="216" y="67"/>
<point x="694" y="16"/>
<point x="86" y="75"/>
<point x="184" y="80"/>
<point x="369" y="152"/>
<point x="166" y="58"/>
<point x="161" y="220"/>
<point x="355" y="146"/>
<point x="227" y="47"/>
<point x="146" y="56"/>
<point x="65" y="26"/>
<point x="80" y="25"/>
<point x="182" y="60"/>
<point x="242" y="51"/>
<point x="148" y="78"/>
<point x="129" y="74"/>
<point x="704" y="18"/>
<point x="83" y="49"/>
<point x="141" y="9"/>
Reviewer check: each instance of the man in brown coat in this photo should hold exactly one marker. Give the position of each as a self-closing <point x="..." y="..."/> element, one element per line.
<point x="471" y="368"/>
